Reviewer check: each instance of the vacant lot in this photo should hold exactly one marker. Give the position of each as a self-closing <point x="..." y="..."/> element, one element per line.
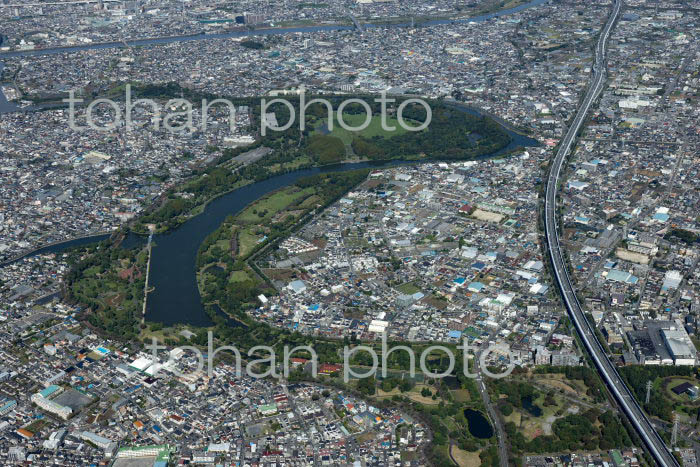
<point x="408" y="288"/>
<point x="487" y="216"/>
<point x="466" y="458"/>
<point x="558" y="381"/>
<point x="247" y="240"/>
<point x="415" y="395"/>
<point x="461" y="395"/>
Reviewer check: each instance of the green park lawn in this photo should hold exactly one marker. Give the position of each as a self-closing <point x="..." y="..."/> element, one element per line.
<point x="354" y="120"/>
<point x="266" y="208"/>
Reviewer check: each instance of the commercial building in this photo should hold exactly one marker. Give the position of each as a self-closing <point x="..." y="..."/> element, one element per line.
<point x="662" y="343"/>
<point x="7" y="407"/>
<point x="679" y="346"/>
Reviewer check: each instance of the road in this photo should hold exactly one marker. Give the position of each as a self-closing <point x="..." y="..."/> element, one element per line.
<point x="622" y="394"/>
<point x="357" y="24"/>
<point x="681" y="69"/>
<point x="77" y="2"/>
<point x="148" y="273"/>
<point x="302" y="420"/>
<point x="498" y="424"/>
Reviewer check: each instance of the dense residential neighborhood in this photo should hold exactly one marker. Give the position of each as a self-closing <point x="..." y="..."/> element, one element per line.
<point x="115" y="237"/>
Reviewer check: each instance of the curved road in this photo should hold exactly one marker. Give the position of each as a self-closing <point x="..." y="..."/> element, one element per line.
<point x="623" y="396"/>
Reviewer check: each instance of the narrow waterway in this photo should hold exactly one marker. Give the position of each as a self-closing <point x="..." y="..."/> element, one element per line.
<point x="261" y="31"/>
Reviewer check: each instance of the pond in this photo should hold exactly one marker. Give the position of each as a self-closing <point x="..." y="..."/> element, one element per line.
<point x="479" y="426"/>
<point x="532" y="408"/>
<point x="452" y="382"/>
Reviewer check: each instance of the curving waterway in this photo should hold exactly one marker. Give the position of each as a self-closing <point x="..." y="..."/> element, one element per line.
<point x="175" y="298"/>
<point x="173" y="272"/>
<point x="6" y="107"/>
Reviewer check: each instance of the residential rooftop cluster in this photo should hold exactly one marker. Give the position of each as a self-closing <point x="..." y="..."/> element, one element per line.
<point x="45" y="24"/>
<point x="69" y="397"/>
<point x="613" y="458"/>
<point x="436" y="252"/>
<point x="531" y="79"/>
<point x="632" y="196"/>
<point x="430" y="253"/>
<point x="101" y="180"/>
<point x="39" y="25"/>
<point x="59" y="183"/>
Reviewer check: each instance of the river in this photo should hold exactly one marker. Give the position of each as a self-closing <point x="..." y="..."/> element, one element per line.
<point x="175" y="298"/>
<point x="261" y="31"/>
<point x="6" y="106"/>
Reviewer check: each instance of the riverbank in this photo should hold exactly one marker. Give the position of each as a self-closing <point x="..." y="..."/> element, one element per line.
<point x="176" y="288"/>
<point x="224" y="275"/>
<point x="59" y="245"/>
<point x="519" y="142"/>
<point x="8" y="107"/>
<point x="500" y="120"/>
<point x="481" y="16"/>
<point x="487" y="138"/>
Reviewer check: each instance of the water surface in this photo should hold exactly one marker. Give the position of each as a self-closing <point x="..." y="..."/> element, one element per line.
<point x="479" y="426"/>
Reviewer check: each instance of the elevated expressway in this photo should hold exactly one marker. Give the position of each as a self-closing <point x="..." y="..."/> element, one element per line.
<point x="653" y="442"/>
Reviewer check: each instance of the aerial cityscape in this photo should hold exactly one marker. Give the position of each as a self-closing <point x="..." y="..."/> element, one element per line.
<point x="349" y="233"/>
